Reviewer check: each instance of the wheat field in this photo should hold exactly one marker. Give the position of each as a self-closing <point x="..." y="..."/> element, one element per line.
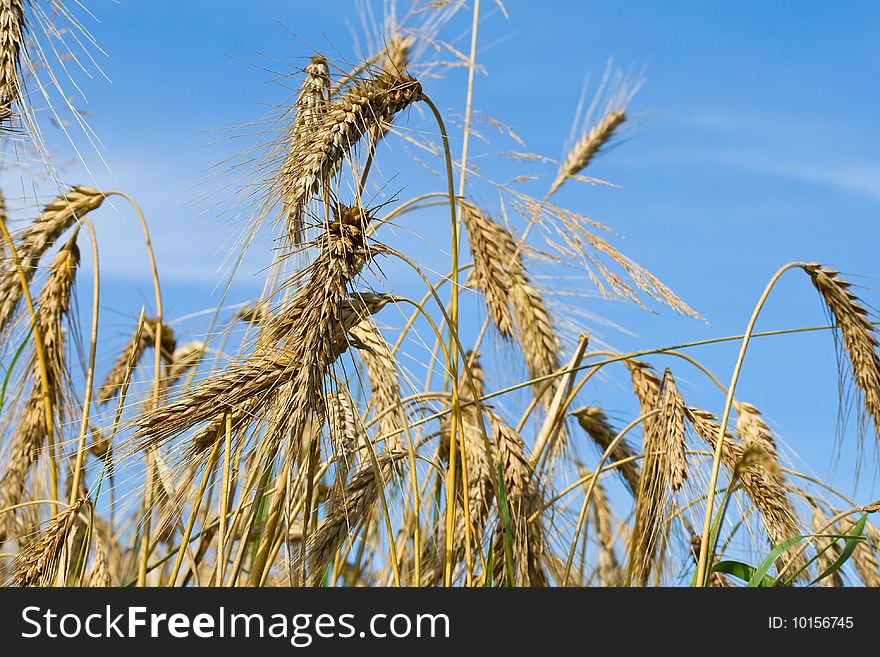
<point x="369" y="420"/>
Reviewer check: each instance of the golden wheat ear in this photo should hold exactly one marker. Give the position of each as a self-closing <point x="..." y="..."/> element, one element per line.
<point x="759" y="475"/>
<point x="12" y="30"/>
<point x="858" y="334"/>
<point x="38" y="563"/>
<point x="36" y="239"/>
<point x="595" y="423"/>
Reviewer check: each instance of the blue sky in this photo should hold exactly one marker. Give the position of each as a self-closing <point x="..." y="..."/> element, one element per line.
<point x="755" y="144"/>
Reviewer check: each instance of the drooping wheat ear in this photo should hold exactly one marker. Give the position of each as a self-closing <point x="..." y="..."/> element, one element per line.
<point x="524" y="500"/>
<point x="858" y="334"/>
<point x="364" y="105"/>
<point x="589" y="145"/>
<point x="663" y="473"/>
<point x="345" y="434"/>
<point x="98" y="575"/>
<point x="384" y="385"/>
<point x="310" y="108"/>
<point x="37" y="564"/>
<point x="826" y="558"/>
<point x="761" y="479"/>
<point x="253" y="312"/>
<point x="751" y="428"/>
<point x="184" y="358"/>
<point x="513" y="303"/>
<point x="312" y="334"/>
<point x="609" y="570"/>
<point x="393" y="61"/>
<point x="594" y="421"/>
<point x="53" y="307"/>
<point x="358" y="499"/>
<point x="12" y="30"/>
<point x="36" y="239"/>
<point x="133" y="352"/>
<point x="101" y="445"/>
<point x="493" y="250"/>
<point x="537" y="335"/>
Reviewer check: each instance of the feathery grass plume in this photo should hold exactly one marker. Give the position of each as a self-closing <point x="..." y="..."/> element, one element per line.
<point x="37" y="238"/>
<point x="317" y="155"/>
<point x="761" y="479"/>
<point x="12" y="31"/>
<point x="382" y="374"/>
<point x="751" y="428"/>
<point x="312" y="332"/>
<point x="133" y="352"/>
<point x="53" y="306"/>
<point x="663" y="473"/>
<point x="357" y="501"/>
<point x="310" y="108"/>
<point x="608" y="568"/>
<point x="573" y="236"/>
<point x="858" y="334"/>
<point x="523" y="500"/>
<point x="37" y="564"/>
<point x="595" y="423"/>
<point x="826" y="558"/>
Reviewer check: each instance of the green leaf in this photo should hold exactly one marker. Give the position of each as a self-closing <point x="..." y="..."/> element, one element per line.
<point x="506" y="531"/>
<point x="11" y="367"/>
<point x="757" y="578"/>
<point x="738" y="569"/>
<point x="853" y="538"/>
